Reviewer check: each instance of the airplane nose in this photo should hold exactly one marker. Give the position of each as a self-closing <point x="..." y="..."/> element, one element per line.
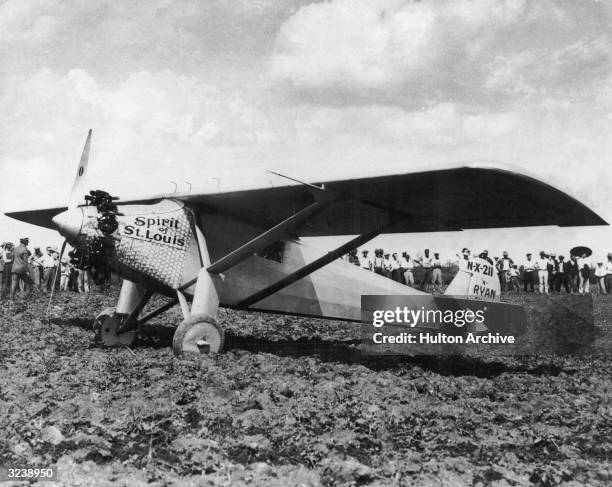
<point x="69" y="223"/>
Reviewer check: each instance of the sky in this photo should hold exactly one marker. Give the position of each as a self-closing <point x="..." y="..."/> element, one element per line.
<point x="213" y="93"/>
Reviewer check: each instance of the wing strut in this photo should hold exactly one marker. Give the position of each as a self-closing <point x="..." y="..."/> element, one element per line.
<point x="269" y="237"/>
<point x="318" y="263"/>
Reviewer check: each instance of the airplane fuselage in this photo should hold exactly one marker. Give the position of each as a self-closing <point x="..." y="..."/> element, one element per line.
<point x="156" y="245"/>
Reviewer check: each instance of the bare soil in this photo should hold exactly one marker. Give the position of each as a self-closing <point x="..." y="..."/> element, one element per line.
<point x="293" y="401"/>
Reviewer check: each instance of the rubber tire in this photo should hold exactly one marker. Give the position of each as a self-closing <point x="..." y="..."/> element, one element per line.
<point x="210" y="326"/>
<point x="98" y="320"/>
<point x="128" y="338"/>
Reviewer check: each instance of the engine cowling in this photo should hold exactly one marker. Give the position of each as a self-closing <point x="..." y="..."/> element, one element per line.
<point x="154" y="244"/>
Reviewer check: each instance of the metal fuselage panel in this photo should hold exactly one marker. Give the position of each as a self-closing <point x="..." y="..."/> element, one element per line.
<point x="156" y="245"/>
<point x="333" y="291"/>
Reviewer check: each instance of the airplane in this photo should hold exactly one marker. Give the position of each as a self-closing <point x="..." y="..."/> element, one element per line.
<point x="243" y="249"/>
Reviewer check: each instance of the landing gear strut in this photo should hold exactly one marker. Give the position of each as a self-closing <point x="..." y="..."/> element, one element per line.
<point x="199" y="332"/>
<point x="120" y="326"/>
<point x="107" y="324"/>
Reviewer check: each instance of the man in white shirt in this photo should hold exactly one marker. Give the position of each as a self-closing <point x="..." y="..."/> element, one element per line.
<point x="584" y="274"/>
<point x="542" y="268"/>
<point x="396" y="273"/>
<point x="36" y="267"/>
<point x="600" y="275"/>
<point x="408" y="266"/>
<point x="7" y="261"/>
<point x="503" y="268"/>
<point x="365" y="261"/>
<point x="463" y="259"/>
<point x="49" y="267"/>
<point x="609" y="273"/>
<point x="436" y="275"/>
<point x="425" y="262"/>
<point x="529" y="273"/>
<point x="387" y="265"/>
<point x="378" y="263"/>
<point x="514" y="274"/>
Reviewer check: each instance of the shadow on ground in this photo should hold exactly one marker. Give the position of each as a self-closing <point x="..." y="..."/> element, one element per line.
<point x="347" y="352"/>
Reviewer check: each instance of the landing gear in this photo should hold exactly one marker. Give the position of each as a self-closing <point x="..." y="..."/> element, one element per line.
<point x="199" y="335"/>
<point x="120" y="327"/>
<point x="107" y="324"/>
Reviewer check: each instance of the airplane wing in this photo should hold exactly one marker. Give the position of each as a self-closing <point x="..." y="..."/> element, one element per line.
<point x="439" y="200"/>
<point x="443" y="200"/>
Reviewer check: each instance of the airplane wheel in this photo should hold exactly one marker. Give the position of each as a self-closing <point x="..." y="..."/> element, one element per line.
<point x="97" y="324"/>
<point x="198" y="334"/>
<point x="108" y="324"/>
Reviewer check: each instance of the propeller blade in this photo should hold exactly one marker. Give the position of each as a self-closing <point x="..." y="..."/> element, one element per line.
<point x="78" y="192"/>
<point x="57" y="272"/>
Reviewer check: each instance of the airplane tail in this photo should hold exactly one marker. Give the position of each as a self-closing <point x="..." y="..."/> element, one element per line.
<point x="476" y="281"/>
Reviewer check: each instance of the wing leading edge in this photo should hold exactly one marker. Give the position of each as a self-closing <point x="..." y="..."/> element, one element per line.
<point x="449" y="199"/>
<point x="443" y="200"/>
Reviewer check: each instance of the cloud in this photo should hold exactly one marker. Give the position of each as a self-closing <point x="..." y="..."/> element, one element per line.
<point x="411" y="53"/>
<point x="152" y="104"/>
<point x="111" y="39"/>
<point x="160" y="126"/>
<point x="31" y="22"/>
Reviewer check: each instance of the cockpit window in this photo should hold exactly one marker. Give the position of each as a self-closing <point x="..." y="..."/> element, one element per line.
<point x="273" y="252"/>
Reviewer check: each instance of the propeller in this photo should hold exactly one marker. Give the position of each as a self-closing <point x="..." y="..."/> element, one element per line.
<point x="78" y="190"/>
<point x="90" y="252"/>
<point x="76" y="197"/>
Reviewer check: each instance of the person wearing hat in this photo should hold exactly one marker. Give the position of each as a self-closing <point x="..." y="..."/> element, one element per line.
<point x="20" y="271"/>
<point x="408" y="266"/>
<point x="387" y="267"/>
<point x="366" y="262"/>
<point x="436" y="275"/>
<point x="485" y="256"/>
<point x="1" y="271"/>
<point x="541" y="266"/>
<point x="378" y="262"/>
<point x="7" y="261"/>
<point x="609" y="273"/>
<point x="600" y="275"/>
<point x="529" y="273"/>
<point x="426" y="263"/>
<point x="397" y="274"/>
<point x="463" y="259"/>
<point x="561" y="279"/>
<point x="553" y="264"/>
<point x="514" y="275"/>
<point x="36" y="267"/>
<point x="503" y="268"/>
<point x="49" y="268"/>
<point x="584" y="273"/>
<point x="558" y="273"/>
<point x="572" y="272"/>
<point x="353" y="258"/>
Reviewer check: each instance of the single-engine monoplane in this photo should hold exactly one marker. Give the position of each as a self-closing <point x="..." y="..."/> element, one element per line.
<point x="242" y="249"/>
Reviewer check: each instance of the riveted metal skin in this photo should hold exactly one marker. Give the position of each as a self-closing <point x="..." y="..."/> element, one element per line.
<point x="151" y="240"/>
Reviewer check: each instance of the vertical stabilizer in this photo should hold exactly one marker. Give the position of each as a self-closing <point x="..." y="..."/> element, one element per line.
<point x="476" y="279"/>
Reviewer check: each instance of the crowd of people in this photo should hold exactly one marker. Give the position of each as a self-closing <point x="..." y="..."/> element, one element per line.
<point x="26" y="271"/>
<point x="544" y="274"/>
